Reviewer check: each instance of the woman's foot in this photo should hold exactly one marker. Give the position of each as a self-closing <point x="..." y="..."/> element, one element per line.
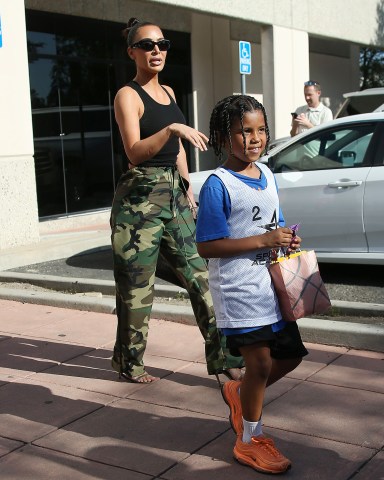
<point x="143" y="378"/>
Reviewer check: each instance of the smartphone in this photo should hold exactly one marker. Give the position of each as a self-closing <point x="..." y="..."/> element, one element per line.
<point x="294" y="114"/>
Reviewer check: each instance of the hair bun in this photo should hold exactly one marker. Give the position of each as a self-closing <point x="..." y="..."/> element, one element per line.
<point x="132" y="22"/>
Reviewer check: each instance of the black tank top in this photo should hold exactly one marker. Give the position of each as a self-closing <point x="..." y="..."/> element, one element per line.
<point x="155" y="117"/>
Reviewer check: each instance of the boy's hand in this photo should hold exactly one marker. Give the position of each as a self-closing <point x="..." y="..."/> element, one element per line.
<point x="294" y="245"/>
<point x="296" y="240"/>
<point x="281" y="237"/>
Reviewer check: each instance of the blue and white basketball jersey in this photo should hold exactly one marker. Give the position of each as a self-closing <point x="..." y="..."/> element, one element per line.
<point x="241" y="286"/>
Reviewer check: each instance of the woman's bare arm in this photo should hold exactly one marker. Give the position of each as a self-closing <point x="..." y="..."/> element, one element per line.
<point x="128" y="110"/>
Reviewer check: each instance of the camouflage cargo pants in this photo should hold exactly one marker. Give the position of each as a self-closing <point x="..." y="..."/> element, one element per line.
<point x="151" y="216"/>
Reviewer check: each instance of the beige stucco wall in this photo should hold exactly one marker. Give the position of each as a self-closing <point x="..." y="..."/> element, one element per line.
<point x="352" y="20"/>
<point x="18" y="202"/>
<point x="349" y="20"/>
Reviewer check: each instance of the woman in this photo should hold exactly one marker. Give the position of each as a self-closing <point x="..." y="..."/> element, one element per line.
<point x="152" y="210"/>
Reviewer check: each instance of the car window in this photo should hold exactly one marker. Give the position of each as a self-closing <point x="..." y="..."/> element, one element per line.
<point x="330" y="149"/>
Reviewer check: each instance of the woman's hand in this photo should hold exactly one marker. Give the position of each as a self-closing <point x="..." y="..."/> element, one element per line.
<point x="196" y="138"/>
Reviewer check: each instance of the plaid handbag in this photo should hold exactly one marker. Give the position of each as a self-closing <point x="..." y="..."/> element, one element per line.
<point x="298" y="285"/>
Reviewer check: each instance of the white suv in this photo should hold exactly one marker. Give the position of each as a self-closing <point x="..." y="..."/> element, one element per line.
<point x="363" y="101"/>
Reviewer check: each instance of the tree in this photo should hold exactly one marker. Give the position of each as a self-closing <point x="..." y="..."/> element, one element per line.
<point x="372" y="57"/>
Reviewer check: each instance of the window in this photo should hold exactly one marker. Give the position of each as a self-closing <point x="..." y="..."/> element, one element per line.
<point x="330" y="149"/>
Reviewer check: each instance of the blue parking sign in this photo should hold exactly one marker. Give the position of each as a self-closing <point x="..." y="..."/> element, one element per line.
<point x="1" y="35"/>
<point x="245" y="58"/>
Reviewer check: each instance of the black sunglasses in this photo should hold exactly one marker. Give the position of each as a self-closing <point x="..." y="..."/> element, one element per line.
<point x="310" y="83"/>
<point x="149" y="45"/>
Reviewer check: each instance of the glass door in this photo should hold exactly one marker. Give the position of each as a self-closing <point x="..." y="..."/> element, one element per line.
<point x="88" y="137"/>
<point x="48" y="145"/>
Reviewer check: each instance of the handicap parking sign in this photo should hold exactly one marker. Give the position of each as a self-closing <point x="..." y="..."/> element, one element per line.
<point x="245" y="58"/>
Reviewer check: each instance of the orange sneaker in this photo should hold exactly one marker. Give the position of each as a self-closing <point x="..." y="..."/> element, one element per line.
<point x="230" y="392"/>
<point x="261" y="455"/>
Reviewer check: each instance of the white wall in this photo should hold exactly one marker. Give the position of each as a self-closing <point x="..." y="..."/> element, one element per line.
<point x="336" y="76"/>
<point x="351" y="20"/>
<point x="211" y="79"/>
<point x="18" y="213"/>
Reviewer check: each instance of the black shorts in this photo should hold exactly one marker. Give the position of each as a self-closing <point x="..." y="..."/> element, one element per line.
<point x="285" y="343"/>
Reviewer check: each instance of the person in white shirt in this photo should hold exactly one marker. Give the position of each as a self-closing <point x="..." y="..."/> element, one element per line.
<point x="313" y="113"/>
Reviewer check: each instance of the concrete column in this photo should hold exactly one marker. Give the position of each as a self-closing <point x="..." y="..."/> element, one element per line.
<point x="18" y="213"/>
<point x="285" y="66"/>
<point x="211" y="74"/>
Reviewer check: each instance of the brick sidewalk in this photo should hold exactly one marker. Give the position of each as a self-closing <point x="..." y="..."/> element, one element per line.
<point x="65" y="414"/>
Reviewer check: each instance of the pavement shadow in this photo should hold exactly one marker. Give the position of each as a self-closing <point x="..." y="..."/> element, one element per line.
<point x="82" y="419"/>
<point x="130" y="434"/>
<point x="147" y="438"/>
<point x="22" y="356"/>
<point x="101" y="259"/>
<point x="350" y="274"/>
<point x="33" y="355"/>
<point x="94" y="259"/>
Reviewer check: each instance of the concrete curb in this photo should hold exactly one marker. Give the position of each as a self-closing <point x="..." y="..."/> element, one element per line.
<point x="359" y="308"/>
<point x="61" y="300"/>
<point x="107" y="287"/>
<point x="345" y="334"/>
<point x="81" y="285"/>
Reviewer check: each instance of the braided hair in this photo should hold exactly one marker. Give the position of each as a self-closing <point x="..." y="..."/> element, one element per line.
<point x="225" y="112"/>
<point x="133" y="25"/>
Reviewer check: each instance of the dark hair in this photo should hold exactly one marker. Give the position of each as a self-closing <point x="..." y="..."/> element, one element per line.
<point x="223" y="115"/>
<point x="133" y="25"/>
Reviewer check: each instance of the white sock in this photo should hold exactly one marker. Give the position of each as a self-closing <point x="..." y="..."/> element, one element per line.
<point x="251" y="429"/>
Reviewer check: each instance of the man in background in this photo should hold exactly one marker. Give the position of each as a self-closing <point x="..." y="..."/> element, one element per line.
<point x="313" y="113"/>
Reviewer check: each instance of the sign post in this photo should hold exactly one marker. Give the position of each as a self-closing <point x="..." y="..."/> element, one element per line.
<point x="245" y="63"/>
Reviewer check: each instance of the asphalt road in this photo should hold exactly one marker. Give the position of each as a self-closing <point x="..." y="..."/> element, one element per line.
<point x="357" y="283"/>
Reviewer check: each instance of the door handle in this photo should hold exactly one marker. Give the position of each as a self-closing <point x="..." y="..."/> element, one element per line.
<point x="345" y="183"/>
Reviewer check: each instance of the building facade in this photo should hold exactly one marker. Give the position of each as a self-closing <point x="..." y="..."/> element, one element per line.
<point x="62" y="61"/>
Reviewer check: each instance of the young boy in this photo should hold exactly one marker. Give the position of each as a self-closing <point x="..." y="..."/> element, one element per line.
<point x="237" y="227"/>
